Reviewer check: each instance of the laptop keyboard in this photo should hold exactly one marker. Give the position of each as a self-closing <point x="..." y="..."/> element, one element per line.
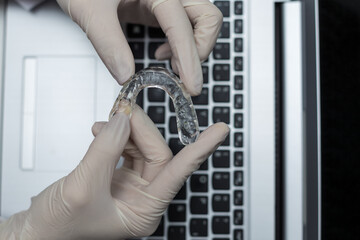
<point x="212" y="203"/>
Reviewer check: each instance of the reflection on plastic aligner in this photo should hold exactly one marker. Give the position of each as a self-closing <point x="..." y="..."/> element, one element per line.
<point x="186" y="119"/>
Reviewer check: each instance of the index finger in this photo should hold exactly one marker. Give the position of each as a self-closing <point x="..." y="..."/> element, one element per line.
<point x="170" y="179"/>
<point x="185" y="60"/>
<point x="207" y="20"/>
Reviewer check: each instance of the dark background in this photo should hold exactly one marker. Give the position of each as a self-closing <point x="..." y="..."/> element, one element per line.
<point x="340" y="118"/>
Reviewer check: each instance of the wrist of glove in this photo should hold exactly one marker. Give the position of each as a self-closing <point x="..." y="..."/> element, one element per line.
<point x="98" y="201"/>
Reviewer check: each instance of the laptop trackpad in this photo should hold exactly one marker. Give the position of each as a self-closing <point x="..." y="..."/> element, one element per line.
<point x="58" y="111"/>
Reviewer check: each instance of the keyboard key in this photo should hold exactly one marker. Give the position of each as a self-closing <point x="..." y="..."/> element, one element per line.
<point x="175" y="145"/>
<point x="221" y="202"/>
<point x="221" y="72"/>
<point x="221" y="114"/>
<point x="135" y="30"/>
<point x="238" y="44"/>
<point x="238" y="120"/>
<point x="156" y="95"/>
<point x="203" y="116"/>
<point x="140" y="99"/>
<point x="224" y="7"/>
<point x="162" y="131"/>
<point x="205" y="72"/>
<point x="181" y="195"/>
<point x="173" y="125"/>
<point x="221" y="93"/>
<point x="204" y="165"/>
<point x="152" y="48"/>
<point x="238" y="217"/>
<point x="199" y="183"/>
<point x="238" y="159"/>
<point x="156" y="32"/>
<point x="199" y="205"/>
<point x="238" y="178"/>
<point x="202" y="99"/>
<point x="238" y="7"/>
<point x="238" y="64"/>
<point x="238" y="234"/>
<point x="221" y="225"/>
<point x="199" y="227"/>
<point x="221" y="180"/>
<point x="177" y="212"/>
<point x="238" y="27"/>
<point x="160" y="229"/>
<point x="238" y="100"/>
<point x="221" y="159"/>
<point x="171" y="106"/>
<point x="238" y="82"/>
<point x="225" y="30"/>
<point x="156" y="114"/>
<point x="163" y="65"/>
<point x="238" y="197"/>
<point x="137" y="49"/>
<point x="177" y="233"/>
<point x="226" y="141"/>
<point x="139" y="66"/>
<point x="221" y="51"/>
<point x="238" y="139"/>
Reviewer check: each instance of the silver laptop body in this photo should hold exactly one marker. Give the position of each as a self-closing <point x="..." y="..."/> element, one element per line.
<point x="54" y="87"/>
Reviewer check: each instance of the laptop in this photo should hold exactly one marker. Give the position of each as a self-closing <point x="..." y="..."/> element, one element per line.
<point x="54" y="86"/>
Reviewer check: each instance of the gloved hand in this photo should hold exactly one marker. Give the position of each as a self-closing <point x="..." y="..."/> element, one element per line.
<point x="95" y="201"/>
<point x="191" y="26"/>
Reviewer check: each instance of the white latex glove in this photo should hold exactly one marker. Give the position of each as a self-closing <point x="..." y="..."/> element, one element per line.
<point x="191" y="26"/>
<point x="95" y="201"/>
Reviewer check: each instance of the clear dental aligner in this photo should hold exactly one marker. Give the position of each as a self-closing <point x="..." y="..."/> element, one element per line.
<point x="156" y="77"/>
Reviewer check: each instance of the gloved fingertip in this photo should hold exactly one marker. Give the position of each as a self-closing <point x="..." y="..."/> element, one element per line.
<point x="221" y="130"/>
<point x="124" y="107"/>
<point x="196" y="89"/>
<point x="174" y="66"/>
<point x="121" y="68"/>
<point x="121" y="76"/>
<point x="163" y="54"/>
<point x="224" y="128"/>
<point x="197" y="80"/>
<point x="96" y="128"/>
<point x="191" y="76"/>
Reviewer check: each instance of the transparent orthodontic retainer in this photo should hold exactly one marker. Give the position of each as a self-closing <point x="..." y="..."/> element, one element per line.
<point x="156" y="77"/>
